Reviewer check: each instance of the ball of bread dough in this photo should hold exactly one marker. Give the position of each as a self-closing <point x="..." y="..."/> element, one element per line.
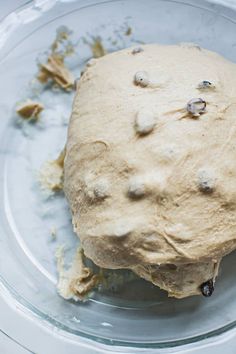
<point x="150" y="172"/>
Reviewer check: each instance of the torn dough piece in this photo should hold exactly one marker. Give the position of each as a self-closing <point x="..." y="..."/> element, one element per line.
<point x="159" y="219"/>
<point x="97" y="48"/>
<point x="76" y="282"/>
<point x="56" y="70"/>
<point x="30" y="109"/>
<point x="51" y="174"/>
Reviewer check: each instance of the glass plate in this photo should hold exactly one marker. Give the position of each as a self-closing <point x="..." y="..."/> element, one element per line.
<point x="134" y="313"/>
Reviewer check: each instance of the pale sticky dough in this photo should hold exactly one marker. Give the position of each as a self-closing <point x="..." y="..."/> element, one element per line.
<point x="167" y="204"/>
<point x="77" y="281"/>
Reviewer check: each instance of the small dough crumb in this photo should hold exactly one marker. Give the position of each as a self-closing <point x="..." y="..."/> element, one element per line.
<point x="51" y="174"/>
<point x="97" y="48"/>
<point x="76" y="282"/>
<point x="62" y="43"/>
<point x="61" y="158"/>
<point x="53" y="232"/>
<point x="30" y="109"/>
<point x="128" y="32"/>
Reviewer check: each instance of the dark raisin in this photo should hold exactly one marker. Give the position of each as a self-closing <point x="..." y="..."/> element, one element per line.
<point x="137" y="50"/>
<point x="206" y="181"/>
<point x="206" y="187"/>
<point x="206" y="83"/>
<point x="207" y="288"/>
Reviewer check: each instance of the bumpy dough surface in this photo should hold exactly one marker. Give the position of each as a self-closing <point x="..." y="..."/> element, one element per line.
<point x="152" y="187"/>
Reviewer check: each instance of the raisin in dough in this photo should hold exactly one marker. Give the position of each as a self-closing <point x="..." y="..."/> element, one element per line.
<point x="151" y="182"/>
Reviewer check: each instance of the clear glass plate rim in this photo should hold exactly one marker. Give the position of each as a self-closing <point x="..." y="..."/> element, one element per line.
<point x="41" y="316"/>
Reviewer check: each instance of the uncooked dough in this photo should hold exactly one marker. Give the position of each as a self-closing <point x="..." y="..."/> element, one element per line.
<point x="77" y="281"/>
<point x="51" y="174"/>
<point x="54" y="69"/>
<point x="157" y="196"/>
<point x="30" y="109"/>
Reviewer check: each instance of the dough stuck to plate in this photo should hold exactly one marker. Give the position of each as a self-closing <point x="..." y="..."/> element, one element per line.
<point x="150" y="172"/>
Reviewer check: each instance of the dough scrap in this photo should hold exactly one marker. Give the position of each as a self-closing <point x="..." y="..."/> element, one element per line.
<point x="76" y="282"/>
<point x="51" y="174"/>
<point x="56" y="70"/>
<point x="30" y="109"/>
<point x="97" y="48"/>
